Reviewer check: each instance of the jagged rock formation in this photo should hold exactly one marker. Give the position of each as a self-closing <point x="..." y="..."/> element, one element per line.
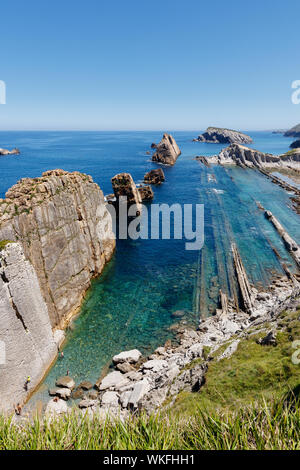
<point x="167" y="151"/>
<point x="146" y="193"/>
<point x="293" y="132"/>
<point x="295" y="145"/>
<point x="124" y="187"/>
<point x="216" y="135"/>
<point x="10" y="152"/>
<point x="25" y="329"/>
<point x="155" y="176"/>
<point x="237" y="154"/>
<point x="62" y="223"/>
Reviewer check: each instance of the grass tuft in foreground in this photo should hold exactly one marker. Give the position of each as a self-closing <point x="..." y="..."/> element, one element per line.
<point x="273" y="426"/>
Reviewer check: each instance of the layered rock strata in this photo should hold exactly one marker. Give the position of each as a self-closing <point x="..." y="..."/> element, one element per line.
<point x="62" y="223"/>
<point x="216" y="135"/>
<point x="27" y="343"/>
<point x="240" y="155"/>
<point x="167" y="151"/>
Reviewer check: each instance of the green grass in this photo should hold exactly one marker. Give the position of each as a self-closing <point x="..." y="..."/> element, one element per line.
<point x="3" y="244"/>
<point x="252" y="373"/>
<point x="272" y="426"/>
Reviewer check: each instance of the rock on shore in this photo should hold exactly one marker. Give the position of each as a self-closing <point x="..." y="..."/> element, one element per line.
<point x="167" y="151"/>
<point x="216" y="135"/>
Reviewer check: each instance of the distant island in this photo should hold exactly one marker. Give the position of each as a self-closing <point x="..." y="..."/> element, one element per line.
<point x="293" y="132"/>
<point x="219" y="135"/>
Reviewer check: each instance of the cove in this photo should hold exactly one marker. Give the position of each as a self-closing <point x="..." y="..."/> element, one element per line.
<point x="131" y="304"/>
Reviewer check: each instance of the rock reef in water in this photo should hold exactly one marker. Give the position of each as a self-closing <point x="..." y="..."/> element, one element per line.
<point x="4" y="152"/>
<point x="293" y="132"/>
<point x="56" y="235"/>
<point x="167" y="151"/>
<point x="237" y="154"/>
<point x="216" y="135"/>
<point x="155" y="176"/>
<point x="146" y="193"/>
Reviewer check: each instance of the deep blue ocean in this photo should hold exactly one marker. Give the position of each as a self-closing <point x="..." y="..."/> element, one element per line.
<point x="131" y="304"/>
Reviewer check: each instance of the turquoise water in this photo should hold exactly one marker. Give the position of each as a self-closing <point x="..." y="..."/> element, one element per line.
<point x="131" y="304"/>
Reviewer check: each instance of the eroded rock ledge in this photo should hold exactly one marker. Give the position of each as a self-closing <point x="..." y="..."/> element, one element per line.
<point x="216" y="135"/>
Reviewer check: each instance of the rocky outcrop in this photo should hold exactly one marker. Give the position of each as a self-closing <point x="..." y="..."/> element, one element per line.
<point x="240" y="155"/>
<point x="154" y="176"/>
<point x="4" y="152"/>
<point x="167" y="151"/>
<point x="125" y="190"/>
<point x="65" y="230"/>
<point x="25" y="329"/>
<point x="293" y="132"/>
<point x="216" y="135"/>
<point x="146" y="193"/>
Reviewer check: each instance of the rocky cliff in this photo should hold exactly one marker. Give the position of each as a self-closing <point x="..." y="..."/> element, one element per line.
<point x="65" y="230"/>
<point x="237" y="154"/>
<point x="167" y="151"/>
<point x="216" y="135"/>
<point x="27" y="343"/>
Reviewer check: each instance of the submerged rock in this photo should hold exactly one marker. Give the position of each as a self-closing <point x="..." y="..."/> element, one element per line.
<point x="217" y="135"/>
<point x="167" y="151"/>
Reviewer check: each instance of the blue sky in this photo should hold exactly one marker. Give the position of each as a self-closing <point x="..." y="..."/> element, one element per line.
<point x="164" y="64"/>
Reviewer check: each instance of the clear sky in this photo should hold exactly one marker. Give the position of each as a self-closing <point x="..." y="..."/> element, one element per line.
<point x="138" y="64"/>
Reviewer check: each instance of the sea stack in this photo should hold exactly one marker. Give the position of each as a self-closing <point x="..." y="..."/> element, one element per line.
<point x="124" y="186"/>
<point x="216" y="135"/>
<point x="167" y="151"/>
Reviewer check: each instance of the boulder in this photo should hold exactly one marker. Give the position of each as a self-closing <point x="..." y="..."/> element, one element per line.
<point x="124" y="398"/>
<point x="92" y="395"/>
<point x="140" y="389"/>
<point x="85" y="385"/>
<point x="124" y="367"/>
<point x="65" y="382"/>
<point x="131" y="356"/>
<point x="112" y="380"/>
<point x="63" y="393"/>
<point x="155" y="364"/>
<point x="110" y="399"/>
<point x="56" y="407"/>
<point x="167" y="151"/>
<point x="77" y="394"/>
<point x="154" y="176"/>
<point x="86" y="403"/>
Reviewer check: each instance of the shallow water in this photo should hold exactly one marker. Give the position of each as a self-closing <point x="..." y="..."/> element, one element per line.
<point x="131" y="304"/>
